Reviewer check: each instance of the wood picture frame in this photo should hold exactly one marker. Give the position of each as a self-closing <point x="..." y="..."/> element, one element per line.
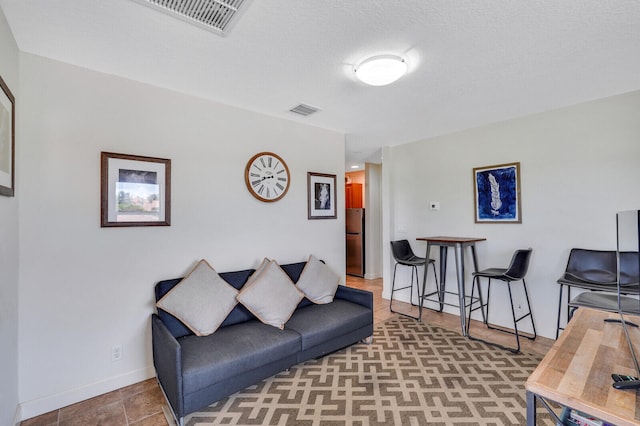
<point x="497" y="197"/>
<point x="321" y="196"/>
<point x="7" y="141"/>
<point x="135" y="190"/>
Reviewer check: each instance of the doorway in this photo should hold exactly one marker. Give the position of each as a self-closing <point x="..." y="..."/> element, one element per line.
<point x="355" y="223"/>
<point x="363" y="205"/>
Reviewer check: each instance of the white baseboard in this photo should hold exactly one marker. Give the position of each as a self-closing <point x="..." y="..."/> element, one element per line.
<point x="36" y="407"/>
<point x="371" y="276"/>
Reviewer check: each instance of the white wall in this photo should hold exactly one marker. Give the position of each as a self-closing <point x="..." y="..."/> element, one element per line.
<point x="579" y="166"/>
<point x="84" y="288"/>
<point x="9" y="59"/>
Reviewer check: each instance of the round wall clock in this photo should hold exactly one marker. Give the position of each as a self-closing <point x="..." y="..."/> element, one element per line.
<point x="267" y="177"/>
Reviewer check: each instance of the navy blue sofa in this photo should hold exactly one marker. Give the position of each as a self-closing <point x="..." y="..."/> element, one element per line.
<point x="194" y="372"/>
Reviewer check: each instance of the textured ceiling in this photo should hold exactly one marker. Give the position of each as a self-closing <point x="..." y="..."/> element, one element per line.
<point x="471" y="62"/>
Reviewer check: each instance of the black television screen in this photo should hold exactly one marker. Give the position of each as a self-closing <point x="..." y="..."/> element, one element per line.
<point x="628" y="278"/>
<point x="628" y="249"/>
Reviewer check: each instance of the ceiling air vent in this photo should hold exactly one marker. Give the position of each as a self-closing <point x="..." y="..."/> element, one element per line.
<point x="213" y="15"/>
<point x="304" y="110"/>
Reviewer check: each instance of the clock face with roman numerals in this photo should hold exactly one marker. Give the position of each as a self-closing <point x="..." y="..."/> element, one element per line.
<point x="267" y="177"/>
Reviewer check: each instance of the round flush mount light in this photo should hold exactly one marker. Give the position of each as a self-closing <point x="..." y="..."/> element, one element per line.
<point x="381" y="70"/>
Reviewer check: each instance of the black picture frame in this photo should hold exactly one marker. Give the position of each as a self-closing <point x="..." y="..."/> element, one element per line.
<point x="7" y="141"/>
<point x="321" y="196"/>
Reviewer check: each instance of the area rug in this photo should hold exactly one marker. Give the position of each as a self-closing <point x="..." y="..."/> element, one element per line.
<point x="412" y="374"/>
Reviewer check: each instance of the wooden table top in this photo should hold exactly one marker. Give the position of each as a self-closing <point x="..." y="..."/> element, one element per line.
<point x="576" y="372"/>
<point x="452" y="240"/>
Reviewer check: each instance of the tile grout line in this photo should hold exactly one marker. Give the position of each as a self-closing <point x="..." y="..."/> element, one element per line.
<point x="124" y="407"/>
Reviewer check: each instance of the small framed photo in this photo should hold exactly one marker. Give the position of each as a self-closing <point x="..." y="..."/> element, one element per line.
<point x="321" y="195"/>
<point x="7" y="141"/>
<point x="135" y="190"/>
<point x="497" y="194"/>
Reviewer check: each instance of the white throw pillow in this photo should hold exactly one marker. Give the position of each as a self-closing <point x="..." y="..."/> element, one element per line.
<point x="202" y="300"/>
<point x="318" y="282"/>
<point x="270" y="295"/>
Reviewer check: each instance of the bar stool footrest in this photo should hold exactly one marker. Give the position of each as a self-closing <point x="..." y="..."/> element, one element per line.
<point x="497" y="345"/>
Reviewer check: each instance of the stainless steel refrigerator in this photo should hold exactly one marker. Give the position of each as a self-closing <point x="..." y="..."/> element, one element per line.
<point x="355" y="242"/>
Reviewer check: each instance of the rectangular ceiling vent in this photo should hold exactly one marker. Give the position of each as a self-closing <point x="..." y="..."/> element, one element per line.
<point x="214" y="15"/>
<point x="304" y="110"/>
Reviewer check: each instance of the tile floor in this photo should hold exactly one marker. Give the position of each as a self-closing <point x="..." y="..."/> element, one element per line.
<point x="141" y="404"/>
<point x="136" y="405"/>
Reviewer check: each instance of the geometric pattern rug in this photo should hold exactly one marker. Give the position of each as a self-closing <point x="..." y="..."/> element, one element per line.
<point x="412" y="374"/>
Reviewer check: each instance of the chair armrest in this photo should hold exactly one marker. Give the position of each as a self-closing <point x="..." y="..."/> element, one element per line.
<point x="167" y="360"/>
<point x="355" y="295"/>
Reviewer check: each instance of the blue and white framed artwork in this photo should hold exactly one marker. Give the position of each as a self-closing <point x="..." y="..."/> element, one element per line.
<point x="497" y="194"/>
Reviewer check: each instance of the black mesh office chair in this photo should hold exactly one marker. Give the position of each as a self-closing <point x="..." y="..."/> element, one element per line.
<point x="514" y="273"/>
<point x="403" y="255"/>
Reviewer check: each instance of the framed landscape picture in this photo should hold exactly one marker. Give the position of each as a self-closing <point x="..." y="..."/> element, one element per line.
<point x="7" y="140"/>
<point x="497" y="194"/>
<point x="135" y="190"/>
<point x="321" y="196"/>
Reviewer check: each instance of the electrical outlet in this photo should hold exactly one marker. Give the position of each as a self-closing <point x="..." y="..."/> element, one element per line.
<point x="116" y="352"/>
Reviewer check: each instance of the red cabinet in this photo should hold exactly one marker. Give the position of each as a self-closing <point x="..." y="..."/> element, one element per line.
<point x="353" y="196"/>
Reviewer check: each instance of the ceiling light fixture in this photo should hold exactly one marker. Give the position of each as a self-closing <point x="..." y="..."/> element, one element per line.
<point x="381" y="70"/>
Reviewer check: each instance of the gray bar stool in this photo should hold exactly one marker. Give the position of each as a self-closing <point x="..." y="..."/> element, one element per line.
<point x="403" y="255"/>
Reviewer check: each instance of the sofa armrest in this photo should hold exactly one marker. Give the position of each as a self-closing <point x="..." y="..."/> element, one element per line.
<point x="167" y="359"/>
<point x="355" y="295"/>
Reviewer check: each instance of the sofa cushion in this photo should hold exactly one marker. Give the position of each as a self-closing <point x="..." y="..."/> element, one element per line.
<point x="270" y="295"/>
<point x="175" y="326"/>
<point x="238" y="314"/>
<point x="294" y="270"/>
<point x="237" y="278"/>
<point x="318" y="282"/>
<point x="202" y="300"/>
<point x="319" y="323"/>
<point x="233" y="350"/>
